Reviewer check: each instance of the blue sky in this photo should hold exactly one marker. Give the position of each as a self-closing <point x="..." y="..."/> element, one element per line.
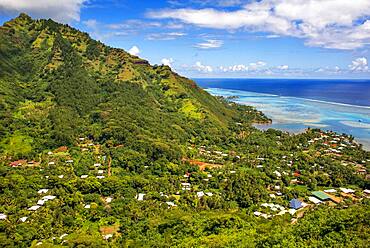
<point x="225" y="38"/>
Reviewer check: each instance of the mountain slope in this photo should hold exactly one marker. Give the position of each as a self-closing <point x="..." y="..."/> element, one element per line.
<point x="57" y="83"/>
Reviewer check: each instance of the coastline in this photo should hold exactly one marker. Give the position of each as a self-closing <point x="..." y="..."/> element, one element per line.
<point x="292" y="97"/>
<point x="295" y="115"/>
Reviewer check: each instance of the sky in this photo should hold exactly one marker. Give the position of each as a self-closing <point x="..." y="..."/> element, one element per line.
<point x="224" y="38"/>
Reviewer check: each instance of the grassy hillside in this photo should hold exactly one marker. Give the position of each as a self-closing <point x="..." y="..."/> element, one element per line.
<point x="56" y="84"/>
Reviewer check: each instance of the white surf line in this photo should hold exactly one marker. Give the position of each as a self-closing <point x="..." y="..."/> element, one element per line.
<point x="292" y="97"/>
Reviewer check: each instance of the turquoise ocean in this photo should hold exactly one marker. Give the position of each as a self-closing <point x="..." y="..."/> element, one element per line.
<point x="295" y="105"/>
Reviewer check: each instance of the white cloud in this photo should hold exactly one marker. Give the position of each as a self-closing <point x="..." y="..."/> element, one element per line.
<point x="167" y="62"/>
<point x="174" y="25"/>
<point x="220" y="3"/>
<point x="165" y="36"/>
<point x="240" y="68"/>
<point x="283" y="67"/>
<point x="209" y="44"/>
<point x="91" y="23"/>
<point x="134" y="51"/>
<point x="133" y="24"/>
<point x="202" y="68"/>
<point x="62" y="11"/>
<point x="339" y="24"/>
<point x="359" y="65"/>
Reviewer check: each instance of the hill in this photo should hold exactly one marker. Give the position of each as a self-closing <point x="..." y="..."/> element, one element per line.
<point x="98" y="148"/>
<point x="62" y="84"/>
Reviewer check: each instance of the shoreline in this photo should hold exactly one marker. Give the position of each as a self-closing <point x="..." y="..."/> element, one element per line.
<point x="292" y="114"/>
<point x="292" y="97"/>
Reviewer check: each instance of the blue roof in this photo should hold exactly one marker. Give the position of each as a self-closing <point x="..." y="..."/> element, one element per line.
<point x="295" y="203"/>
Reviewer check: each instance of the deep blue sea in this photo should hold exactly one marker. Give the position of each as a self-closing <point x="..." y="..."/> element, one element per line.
<point x="354" y="92"/>
<point x="293" y="105"/>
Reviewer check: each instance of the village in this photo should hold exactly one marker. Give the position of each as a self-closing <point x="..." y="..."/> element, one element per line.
<point x="287" y="192"/>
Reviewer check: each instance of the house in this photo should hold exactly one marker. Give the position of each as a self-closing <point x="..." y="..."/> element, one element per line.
<point x="314" y="200"/>
<point x="63" y="235"/>
<point x="49" y="197"/>
<point x="61" y="149"/>
<point x="100" y="177"/>
<point x="330" y="190"/>
<point x="321" y="195"/>
<point x="257" y="213"/>
<point x="295" y="204"/>
<point x="171" y="204"/>
<point x="335" y="199"/>
<point x="84" y="176"/>
<point x="100" y="171"/>
<point x="347" y="191"/>
<point x="278" y="174"/>
<point x="61" y="176"/>
<point x="108" y="236"/>
<point x="40" y="202"/>
<point x="3" y="216"/>
<point x="185" y="186"/>
<point x="200" y="194"/>
<point x="282" y="212"/>
<point x="97" y="165"/>
<point x="23" y="219"/>
<point x="209" y="194"/>
<point x="140" y="197"/>
<point x="109" y="199"/>
<point x="292" y="211"/>
<point x="34" y="208"/>
<point x="87" y="206"/>
<point x="42" y="191"/>
<point x="18" y="163"/>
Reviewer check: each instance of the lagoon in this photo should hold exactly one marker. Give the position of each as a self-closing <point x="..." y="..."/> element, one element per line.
<point x="295" y="114"/>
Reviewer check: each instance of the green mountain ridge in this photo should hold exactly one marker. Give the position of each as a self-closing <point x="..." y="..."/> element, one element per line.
<point x="51" y="73"/>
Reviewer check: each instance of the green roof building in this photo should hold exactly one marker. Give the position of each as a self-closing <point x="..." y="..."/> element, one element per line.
<point x="321" y="195"/>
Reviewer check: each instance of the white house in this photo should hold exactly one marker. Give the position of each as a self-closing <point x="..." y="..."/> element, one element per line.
<point x="49" y="197"/>
<point x="140" y="197"/>
<point x="171" y="204"/>
<point x="23" y="219"/>
<point x="34" y="208"/>
<point x="200" y="194"/>
<point x="42" y="191"/>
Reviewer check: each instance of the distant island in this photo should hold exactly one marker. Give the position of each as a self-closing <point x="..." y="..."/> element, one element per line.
<point x="98" y="148"/>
